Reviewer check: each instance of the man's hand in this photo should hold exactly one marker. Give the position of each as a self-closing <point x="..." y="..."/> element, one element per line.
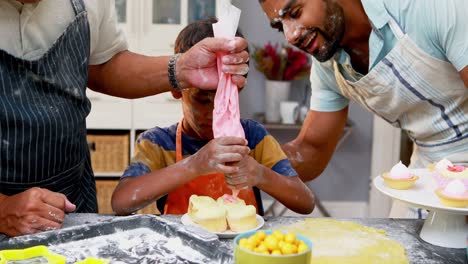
<point x="197" y="67"/>
<point x="250" y="174"/>
<point x="33" y="211"/>
<point x="212" y="158"/>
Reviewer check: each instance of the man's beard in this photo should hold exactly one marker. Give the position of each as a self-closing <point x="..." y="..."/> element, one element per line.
<point x="334" y="29"/>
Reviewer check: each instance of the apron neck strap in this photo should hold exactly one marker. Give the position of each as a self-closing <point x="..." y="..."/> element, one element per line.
<point x="396" y="29"/>
<point x="78" y="6"/>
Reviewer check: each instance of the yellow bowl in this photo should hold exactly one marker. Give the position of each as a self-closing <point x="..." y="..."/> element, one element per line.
<point x="451" y="201"/>
<point x="399" y="184"/>
<point x="244" y="256"/>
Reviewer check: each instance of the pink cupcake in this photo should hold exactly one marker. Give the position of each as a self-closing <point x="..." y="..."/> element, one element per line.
<point x="445" y="172"/>
<point x="399" y="177"/>
<point x="455" y="194"/>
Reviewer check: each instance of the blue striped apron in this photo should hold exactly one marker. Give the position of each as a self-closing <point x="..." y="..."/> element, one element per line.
<point x="416" y="92"/>
<point x="43" y="109"/>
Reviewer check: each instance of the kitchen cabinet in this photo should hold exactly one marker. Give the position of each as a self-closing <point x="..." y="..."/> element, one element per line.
<point x="151" y="26"/>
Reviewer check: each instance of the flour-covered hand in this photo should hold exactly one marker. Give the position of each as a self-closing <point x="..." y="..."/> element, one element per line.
<point x="250" y="174"/>
<point x="214" y="156"/>
<point x="33" y="211"/>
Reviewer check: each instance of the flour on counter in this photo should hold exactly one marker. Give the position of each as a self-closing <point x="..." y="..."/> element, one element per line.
<point x="37" y="260"/>
<point x="140" y="245"/>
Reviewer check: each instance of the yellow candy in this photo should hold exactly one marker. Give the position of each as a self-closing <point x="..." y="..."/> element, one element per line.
<point x="276" y="252"/>
<point x="281" y="243"/>
<point x="278" y="234"/>
<point x="290" y="238"/>
<point x="289" y="249"/>
<point x="261" y="235"/>
<point x="302" y="247"/>
<point x="249" y="247"/>
<point x="261" y="248"/>
<point x="275" y="244"/>
<point x="243" y="242"/>
<point x="253" y="240"/>
<point x="271" y="242"/>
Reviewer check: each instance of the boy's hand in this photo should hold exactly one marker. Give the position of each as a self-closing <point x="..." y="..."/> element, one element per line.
<point x="213" y="156"/>
<point x="250" y="174"/>
<point x="33" y="211"/>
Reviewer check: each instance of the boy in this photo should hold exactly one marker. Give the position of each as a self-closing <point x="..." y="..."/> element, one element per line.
<point x="211" y="166"/>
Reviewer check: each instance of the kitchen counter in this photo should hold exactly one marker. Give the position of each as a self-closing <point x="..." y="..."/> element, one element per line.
<point x="405" y="231"/>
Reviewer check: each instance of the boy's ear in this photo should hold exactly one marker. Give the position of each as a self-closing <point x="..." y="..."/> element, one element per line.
<point x="176" y="95"/>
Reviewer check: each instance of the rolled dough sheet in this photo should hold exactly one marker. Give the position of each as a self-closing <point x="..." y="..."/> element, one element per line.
<point x="346" y="242"/>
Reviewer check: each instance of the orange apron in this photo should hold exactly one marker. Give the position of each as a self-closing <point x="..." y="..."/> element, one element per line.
<point x="212" y="185"/>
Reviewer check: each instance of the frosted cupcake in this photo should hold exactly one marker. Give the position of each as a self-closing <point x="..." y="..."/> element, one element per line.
<point x="455" y="194"/>
<point x="206" y="212"/>
<point x="445" y="172"/>
<point x="212" y="218"/>
<point x="240" y="217"/>
<point x="399" y="177"/>
<point x="196" y="203"/>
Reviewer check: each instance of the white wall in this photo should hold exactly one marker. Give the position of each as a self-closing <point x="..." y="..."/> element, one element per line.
<point x="347" y="176"/>
<point x="255" y="27"/>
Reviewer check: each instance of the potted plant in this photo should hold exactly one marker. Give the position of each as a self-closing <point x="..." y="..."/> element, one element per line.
<point x="280" y="63"/>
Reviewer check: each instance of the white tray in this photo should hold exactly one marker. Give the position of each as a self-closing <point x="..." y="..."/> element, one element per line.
<point x="445" y="226"/>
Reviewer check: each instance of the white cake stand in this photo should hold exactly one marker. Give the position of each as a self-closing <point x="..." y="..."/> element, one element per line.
<point x="445" y="226"/>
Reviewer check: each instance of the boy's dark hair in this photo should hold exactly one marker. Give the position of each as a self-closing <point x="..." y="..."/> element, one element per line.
<point x="196" y="32"/>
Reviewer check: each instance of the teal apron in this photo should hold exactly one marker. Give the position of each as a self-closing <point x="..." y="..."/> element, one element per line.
<point x="43" y="109"/>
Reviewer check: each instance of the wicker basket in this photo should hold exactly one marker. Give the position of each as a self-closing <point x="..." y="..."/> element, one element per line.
<point x="105" y="188"/>
<point x="109" y="153"/>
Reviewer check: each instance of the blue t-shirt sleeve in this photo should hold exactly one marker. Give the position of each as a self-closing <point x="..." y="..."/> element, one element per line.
<point x="136" y="169"/>
<point x="451" y="25"/>
<point x="284" y="167"/>
<point x="149" y="153"/>
<point x="325" y="96"/>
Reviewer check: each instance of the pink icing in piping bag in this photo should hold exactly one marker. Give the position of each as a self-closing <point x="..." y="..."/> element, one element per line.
<point x="226" y="114"/>
<point x="229" y="198"/>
